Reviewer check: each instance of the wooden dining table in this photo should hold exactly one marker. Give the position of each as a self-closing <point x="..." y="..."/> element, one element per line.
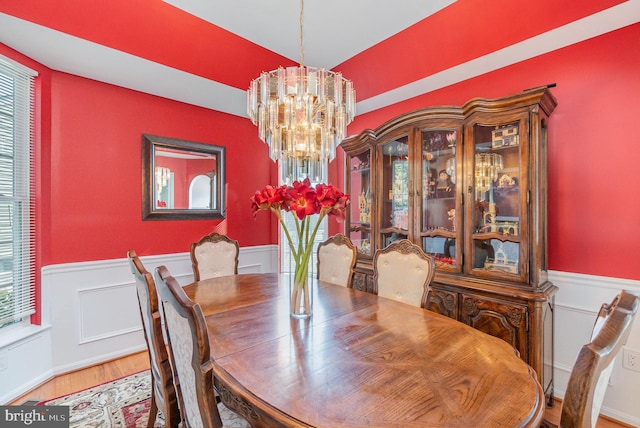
<point x="359" y="360"/>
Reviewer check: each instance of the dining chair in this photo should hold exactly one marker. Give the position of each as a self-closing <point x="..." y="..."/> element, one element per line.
<point x="214" y="255"/>
<point x="336" y="260"/>
<point x="163" y="393"/>
<point x="402" y="271"/>
<point x="591" y="371"/>
<point x="189" y="352"/>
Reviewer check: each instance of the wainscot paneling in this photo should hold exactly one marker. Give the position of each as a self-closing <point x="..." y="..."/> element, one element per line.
<point x="90" y="314"/>
<point x="577" y="303"/>
<point x="26" y="360"/>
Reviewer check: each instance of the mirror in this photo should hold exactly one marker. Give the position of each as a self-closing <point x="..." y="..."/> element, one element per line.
<point x="181" y="179"/>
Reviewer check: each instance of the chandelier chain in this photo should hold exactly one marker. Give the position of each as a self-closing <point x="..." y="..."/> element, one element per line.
<point x="301" y="38"/>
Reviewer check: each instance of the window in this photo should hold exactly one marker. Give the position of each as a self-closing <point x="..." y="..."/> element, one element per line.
<point x="286" y="258"/>
<point x="17" y="219"/>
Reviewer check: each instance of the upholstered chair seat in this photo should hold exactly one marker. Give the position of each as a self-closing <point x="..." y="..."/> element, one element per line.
<point x="403" y="272"/>
<point x="336" y="260"/>
<point x="214" y="255"/>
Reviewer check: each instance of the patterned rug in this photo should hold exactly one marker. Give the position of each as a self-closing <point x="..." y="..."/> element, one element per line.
<point x="122" y="403"/>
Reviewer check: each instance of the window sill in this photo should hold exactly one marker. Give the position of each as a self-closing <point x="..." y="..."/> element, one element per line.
<point x="14" y="334"/>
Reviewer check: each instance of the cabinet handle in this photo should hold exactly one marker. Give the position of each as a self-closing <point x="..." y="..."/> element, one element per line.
<point x="469" y="189"/>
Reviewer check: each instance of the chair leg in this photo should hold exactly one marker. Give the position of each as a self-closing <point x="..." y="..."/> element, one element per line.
<point x="172" y="417"/>
<point x="153" y="410"/>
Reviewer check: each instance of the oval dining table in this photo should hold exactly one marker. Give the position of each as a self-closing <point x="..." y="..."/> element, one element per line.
<point x="359" y="360"/>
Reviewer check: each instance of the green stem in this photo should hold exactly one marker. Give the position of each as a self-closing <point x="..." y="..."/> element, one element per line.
<point x="305" y="249"/>
<point x="286" y="232"/>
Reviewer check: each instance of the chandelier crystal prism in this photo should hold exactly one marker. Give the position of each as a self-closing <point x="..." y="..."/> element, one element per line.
<point x="302" y="114"/>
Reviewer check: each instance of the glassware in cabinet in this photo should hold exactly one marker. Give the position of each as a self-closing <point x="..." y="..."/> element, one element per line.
<point x="498" y="215"/>
<point x="440" y="223"/>
<point x="394" y="224"/>
<point x="360" y="209"/>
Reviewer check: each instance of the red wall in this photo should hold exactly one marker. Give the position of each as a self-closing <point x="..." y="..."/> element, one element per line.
<point x="463" y="31"/>
<point x="94" y="182"/>
<point x="89" y="156"/>
<point x="593" y="213"/>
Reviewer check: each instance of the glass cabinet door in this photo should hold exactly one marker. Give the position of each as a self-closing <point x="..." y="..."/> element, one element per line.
<point x="359" y="214"/>
<point x="394" y="207"/>
<point x="498" y="215"/>
<point x="440" y="218"/>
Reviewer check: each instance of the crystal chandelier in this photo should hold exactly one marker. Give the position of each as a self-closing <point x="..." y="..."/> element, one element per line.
<point x="302" y="114"/>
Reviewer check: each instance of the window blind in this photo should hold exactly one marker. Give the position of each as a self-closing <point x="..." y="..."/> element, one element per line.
<point x="17" y="195"/>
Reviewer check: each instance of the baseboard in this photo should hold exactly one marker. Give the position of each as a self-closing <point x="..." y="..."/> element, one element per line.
<point x="96" y="360"/>
<point x="33" y="383"/>
<point x="552" y="414"/>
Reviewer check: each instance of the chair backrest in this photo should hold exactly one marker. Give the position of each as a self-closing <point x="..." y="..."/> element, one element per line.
<point x="214" y="255"/>
<point x="189" y="352"/>
<point x="164" y="393"/>
<point x="403" y="272"/>
<point x="590" y="374"/>
<point x="336" y="260"/>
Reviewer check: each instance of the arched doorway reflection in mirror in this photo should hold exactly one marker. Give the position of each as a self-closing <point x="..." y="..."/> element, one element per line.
<point x="202" y="191"/>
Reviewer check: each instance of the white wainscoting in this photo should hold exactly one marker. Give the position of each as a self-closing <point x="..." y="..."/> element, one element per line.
<point x="577" y="303"/>
<point x="90" y="315"/>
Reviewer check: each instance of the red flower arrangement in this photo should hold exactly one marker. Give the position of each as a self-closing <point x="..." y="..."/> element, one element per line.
<point x="302" y="201"/>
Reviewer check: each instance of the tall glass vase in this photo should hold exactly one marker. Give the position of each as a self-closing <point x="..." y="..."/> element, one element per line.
<point x="300" y="291"/>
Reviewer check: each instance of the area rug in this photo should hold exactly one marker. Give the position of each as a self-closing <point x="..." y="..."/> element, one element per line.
<point x="122" y="403"/>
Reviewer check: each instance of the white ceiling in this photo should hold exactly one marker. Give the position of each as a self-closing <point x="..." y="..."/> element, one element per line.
<point x="333" y="30"/>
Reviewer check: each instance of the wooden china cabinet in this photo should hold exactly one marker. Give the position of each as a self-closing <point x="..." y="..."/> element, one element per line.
<point x="469" y="184"/>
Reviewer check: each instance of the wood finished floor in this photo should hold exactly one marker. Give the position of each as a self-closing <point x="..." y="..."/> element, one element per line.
<point x="88" y="377"/>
